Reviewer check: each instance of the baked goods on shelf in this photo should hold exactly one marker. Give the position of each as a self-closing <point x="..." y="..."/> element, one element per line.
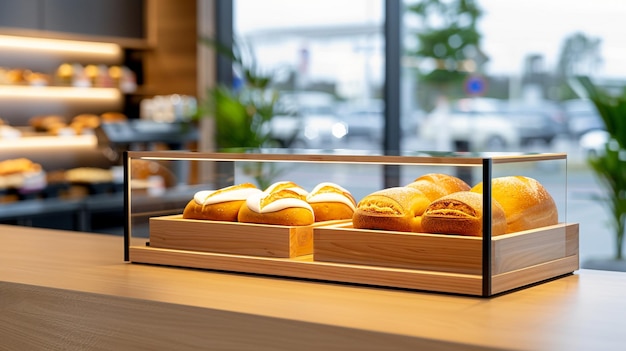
<point x="282" y="203"/>
<point x="219" y="205"/>
<point x="22" y="174"/>
<point x="48" y="123"/>
<point x="526" y="203"/>
<point x="331" y="202"/>
<point x="113" y="117"/>
<point x="84" y="122"/>
<point x="436" y="185"/>
<point x="462" y="213"/>
<point x="396" y="208"/>
<point x="88" y="175"/>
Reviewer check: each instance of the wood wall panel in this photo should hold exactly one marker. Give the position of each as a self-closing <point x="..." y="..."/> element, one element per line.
<point x="171" y="66"/>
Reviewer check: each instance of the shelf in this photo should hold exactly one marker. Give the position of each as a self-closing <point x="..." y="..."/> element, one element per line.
<point x="55" y="92"/>
<point x="49" y="141"/>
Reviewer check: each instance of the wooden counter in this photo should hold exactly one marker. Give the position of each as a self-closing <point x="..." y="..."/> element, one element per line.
<point x="69" y="290"/>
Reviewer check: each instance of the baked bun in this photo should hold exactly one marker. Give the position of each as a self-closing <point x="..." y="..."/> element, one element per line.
<point x="21" y="173"/>
<point x="282" y="203"/>
<point x="113" y="117"/>
<point x="397" y="208"/>
<point x="526" y="203"/>
<point x="219" y="205"/>
<point x="89" y="175"/>
<point x="462" y="213"/>
<point x="436" y="185"/>
<point x="330" y="202"/>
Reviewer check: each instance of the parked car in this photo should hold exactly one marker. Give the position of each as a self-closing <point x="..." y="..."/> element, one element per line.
<point x="309" y="121"/>
<point x="592" y="143"/>
<point x="365" y="120"/>
<point x="582" y="117"/>
<point x="478" y="124"/>
<point x="540" y="121"/>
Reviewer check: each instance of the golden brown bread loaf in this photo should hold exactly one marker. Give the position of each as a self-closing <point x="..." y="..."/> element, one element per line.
<point x="397" y="209"/>
<point x="113" y="117"/>
<point x="331" y="202"/>
<point x="282" y="203"/>
<point x="436" y="185"/>
<point x="526" y="203"/>
<point x="219" y="205"/>
<point x="462" y="213"/>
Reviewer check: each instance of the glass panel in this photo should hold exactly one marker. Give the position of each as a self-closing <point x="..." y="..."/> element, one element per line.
<point x="327" y="58"/>
<point x="497" y="75"/>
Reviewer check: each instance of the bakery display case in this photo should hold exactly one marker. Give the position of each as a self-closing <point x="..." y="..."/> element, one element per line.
<point x="485" y="263"/>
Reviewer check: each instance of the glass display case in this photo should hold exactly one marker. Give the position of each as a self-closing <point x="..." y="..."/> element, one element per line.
<point x="482" y="264"/>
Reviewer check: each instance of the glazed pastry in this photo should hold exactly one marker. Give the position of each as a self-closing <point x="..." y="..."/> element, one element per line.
<point x="283" y="203"/>
<point x="331" y="202"/>
<point x="219" y="205"/>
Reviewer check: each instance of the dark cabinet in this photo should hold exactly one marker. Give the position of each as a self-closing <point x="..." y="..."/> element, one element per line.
<point x="108" y="18"/>
<point x="113" y="18"/>
<point x="20" y="14"/>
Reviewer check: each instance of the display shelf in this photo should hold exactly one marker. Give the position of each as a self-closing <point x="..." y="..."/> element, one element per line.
<point x="96" y="94"/>
<point x="434" y="262"/>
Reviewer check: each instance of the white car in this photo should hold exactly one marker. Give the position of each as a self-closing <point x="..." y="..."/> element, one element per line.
<point x="311" y="123"/>
<point x="592" y="143"/>
<point x="477" y="124"/>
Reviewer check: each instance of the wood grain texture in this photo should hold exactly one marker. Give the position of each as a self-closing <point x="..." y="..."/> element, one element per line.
<point x="67" y="290"/>
<point x="36" y="318"/>
<point x="441" y="263"/>
<point x="423" y="159"/>
<point x="174" y="232"/>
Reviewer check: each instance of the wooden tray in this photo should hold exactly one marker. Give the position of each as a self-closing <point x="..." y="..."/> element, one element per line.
<point x="174" y="232"/>
<point x="408" y="260"/>
<point x="442" y="253"/>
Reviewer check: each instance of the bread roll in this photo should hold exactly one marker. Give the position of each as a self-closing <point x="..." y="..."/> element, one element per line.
<point x="462" y="213"/>
<point x="219" y="205"/>
<point x="89" y="175"/>
<point x="113" y="117"/>
<point x="526" y="203"/>
<point x="397" y="208"/>
<point x="331" y="202"/>
<point x="18" y="165"/>
<point x="283" y="203"/>
<point x="436" y="185"/>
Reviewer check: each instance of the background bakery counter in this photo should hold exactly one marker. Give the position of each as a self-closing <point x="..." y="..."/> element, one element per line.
<point x="101" y="213"/>
<point x="69" y="290"/>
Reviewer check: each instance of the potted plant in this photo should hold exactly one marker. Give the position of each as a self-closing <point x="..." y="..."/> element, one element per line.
<point x="242" y="113"/>
<point x="610" y="165"/>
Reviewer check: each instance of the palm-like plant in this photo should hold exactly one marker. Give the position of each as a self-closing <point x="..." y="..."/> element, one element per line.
<point x="243" y="114"/>
<point x="610" y="166"/>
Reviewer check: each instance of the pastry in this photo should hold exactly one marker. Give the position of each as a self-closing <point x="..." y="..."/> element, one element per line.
<point x="282" y="203"/>
<point x="397" y="208"/>
<point x="331" y="202"/>
<point x="219" y="205"/>
<point x="436" y="185"/>
<point x="462" y="213"/>
<point x="113" y="117"/>
<point x="89" y="175"/>
<point x="526" y="203"/>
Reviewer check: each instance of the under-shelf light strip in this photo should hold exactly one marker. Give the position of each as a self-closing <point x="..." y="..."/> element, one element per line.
<point x="59" y="45"/>
<point x="27" y="92"/>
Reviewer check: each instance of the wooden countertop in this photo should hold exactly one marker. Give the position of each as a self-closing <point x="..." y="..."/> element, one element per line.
<point x="69" y="290"/>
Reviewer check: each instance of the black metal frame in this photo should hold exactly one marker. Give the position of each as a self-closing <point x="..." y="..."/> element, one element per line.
<point x="127" y="224"/>
<point x="487" y="216"/>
